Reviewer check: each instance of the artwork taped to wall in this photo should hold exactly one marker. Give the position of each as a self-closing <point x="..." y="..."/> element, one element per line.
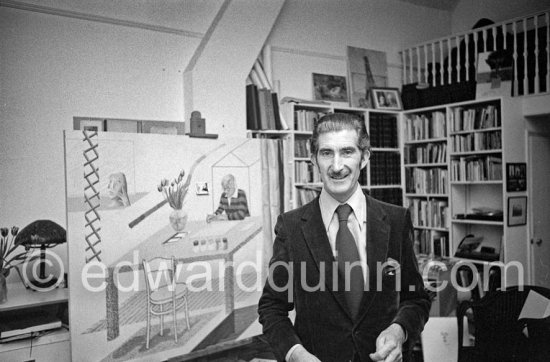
<point x="140" y="241"/>
<point x="366" y="69"/>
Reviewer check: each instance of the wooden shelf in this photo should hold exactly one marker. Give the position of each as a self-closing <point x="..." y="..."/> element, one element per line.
<point x="20" y="297"/>
<point x="426" y="165"/>
<point x="492" y="129"/>
<point x="426" y="140"/>
<point x="473" y="153"/>
<point x="477" y="222"/>
<point x="489" y="182"/>
<point x="427" y="196"/>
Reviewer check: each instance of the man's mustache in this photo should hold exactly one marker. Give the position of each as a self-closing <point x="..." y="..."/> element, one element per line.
<point x="338" y="174"/>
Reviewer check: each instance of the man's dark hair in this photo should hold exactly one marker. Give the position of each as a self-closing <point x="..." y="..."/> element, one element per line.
<point x="334" y="122"/>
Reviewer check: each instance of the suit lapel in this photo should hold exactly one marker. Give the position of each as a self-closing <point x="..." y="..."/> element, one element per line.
<point x="319" y="246"/>
<point x="378" y="231"/>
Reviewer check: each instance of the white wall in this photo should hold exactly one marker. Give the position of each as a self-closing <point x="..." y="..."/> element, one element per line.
<point x="55" y="67"/>
<point x="313" y="35"/>
<point x="468" y="12"/>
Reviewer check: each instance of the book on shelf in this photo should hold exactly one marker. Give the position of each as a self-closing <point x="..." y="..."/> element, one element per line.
<point x="280" y="123"/>
<point x="474" y="118"/>
<point x="252" y="108"/>
<point x="425" y="126"/>
<point x="383" y="130"/>
<point x="385" y="168"/>
<point x="391" y="195"/>
<point x="306" y="194"/>
<point x="476" y="168"/>
<point x="262" y="109"/>
<point x="269" y="109"/>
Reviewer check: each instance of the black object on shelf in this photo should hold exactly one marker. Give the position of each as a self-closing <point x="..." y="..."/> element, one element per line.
<point x="42" y="234"/>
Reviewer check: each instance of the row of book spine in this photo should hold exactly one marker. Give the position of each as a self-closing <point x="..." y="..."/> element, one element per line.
<point x="393" y="195"/>
<point x="385" y="168"/>
<point x="477" y="141"/>
<point x="306" y="172"/>
<point x="474" y="118"/>
<point x="304" y="120"/>
<point x="476" y="168"/>
<point x="425" y="126"/>
<point x="429" y="153"/>
<point x="302" y="148"/>
<point x="426" y="181"/>
<point x="262" y="109"/>
<point x="383" y="130"/>
<point x="431" y="243"/>
<point x="430" y="213"/>
<point x="305" y="195"/>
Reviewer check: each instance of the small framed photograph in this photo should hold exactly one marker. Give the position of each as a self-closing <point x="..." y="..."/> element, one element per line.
<point x="202" y="188"/>
<point x="331" y="88"/>
<point x="517" y="210"/>
<point x="516" y="177"/>
<point x="97" y="125"/>
<point x="386" y="98"/>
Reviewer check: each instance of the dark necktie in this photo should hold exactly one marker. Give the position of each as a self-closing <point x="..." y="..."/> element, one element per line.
<point x="347" y="254"/>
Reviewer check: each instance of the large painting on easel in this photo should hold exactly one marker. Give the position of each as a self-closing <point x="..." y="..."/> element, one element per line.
<point x="192" y="206"/>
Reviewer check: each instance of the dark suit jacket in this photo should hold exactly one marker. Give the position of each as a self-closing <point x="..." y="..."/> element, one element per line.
<point x="323" y="323"/>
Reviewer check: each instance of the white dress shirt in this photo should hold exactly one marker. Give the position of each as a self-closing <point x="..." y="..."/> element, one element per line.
<point x="357" y="222"/>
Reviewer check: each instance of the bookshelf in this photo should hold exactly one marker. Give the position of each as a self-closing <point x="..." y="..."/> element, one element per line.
<point x="425" y="160"/>
<point x="476" y="178"/>
<point x="454" y="160"/>
<point x="381" y="177"/>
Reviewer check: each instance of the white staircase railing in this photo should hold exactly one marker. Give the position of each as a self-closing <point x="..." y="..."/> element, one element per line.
<point x="525" y="41"/>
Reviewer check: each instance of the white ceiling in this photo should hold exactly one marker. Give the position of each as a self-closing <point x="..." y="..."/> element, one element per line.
<point x="436" y="4"/>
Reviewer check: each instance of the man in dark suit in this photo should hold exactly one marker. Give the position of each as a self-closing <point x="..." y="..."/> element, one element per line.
<point x="345" y="263"/>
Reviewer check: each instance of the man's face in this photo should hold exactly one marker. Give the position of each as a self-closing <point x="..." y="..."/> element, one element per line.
<point x="340" y="161"/>
<point x="229" y="188"/>
<point x="114" y="188"/>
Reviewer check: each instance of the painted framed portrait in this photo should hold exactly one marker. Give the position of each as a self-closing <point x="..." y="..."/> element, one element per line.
<point x="331" y="88"/>
<point x="386" y="98"/>
<point x="517" y="210"/>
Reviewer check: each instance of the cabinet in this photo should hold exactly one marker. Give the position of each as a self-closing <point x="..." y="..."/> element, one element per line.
<point x="455" y="184"/>
<point x="382" y="176"/>
<point x="51" y="346"/>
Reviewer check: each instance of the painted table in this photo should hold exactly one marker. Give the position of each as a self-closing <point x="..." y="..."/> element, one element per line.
<point x="201" y="242"/>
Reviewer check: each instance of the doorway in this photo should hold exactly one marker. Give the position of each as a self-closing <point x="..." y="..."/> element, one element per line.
<point x="539" y="201"/>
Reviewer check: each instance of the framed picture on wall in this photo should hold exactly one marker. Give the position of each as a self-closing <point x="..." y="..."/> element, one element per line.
<point x="331" y="88"/>
<point x="92" y="125"/>
<point x="517" y="210"/>
<point x="367" y="68"/>
<point x="386" y="98"/>
<point x="516" y="177"/>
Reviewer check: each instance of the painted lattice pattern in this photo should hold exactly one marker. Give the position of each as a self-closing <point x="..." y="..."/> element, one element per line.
<point x="91" y="196"/>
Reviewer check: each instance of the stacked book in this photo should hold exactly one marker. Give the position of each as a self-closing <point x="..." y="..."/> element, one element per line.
<point x="262" y="109"/>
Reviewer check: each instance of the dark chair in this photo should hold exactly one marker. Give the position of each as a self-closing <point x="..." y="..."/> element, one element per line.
<point x="498" y="334"/>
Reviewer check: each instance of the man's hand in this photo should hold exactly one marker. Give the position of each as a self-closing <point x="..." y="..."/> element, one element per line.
<point x="214" y="217"/>
<point x="389" y="344"/>
<point x="300" y="354"/>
